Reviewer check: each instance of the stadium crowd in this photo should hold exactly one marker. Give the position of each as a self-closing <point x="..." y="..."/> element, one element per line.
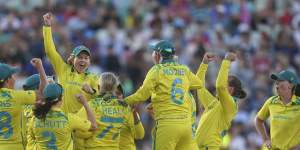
<point x="265" y="34"/>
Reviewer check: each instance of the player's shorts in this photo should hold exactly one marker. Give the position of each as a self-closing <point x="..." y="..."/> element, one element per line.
<point x="209" y="148"/>
<point x="173" y="134"/>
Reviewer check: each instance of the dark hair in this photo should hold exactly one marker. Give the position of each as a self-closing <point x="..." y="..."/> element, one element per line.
<point x="296" y="89"/>
<point x="238" y="91"/>
<point x="41" y="109"/>
<point x="3" y="81"/>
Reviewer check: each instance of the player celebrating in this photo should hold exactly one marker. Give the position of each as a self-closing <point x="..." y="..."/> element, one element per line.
<point x="72" y="77"/>
<point x="112" y="115"/>
<point x="33" y="82"/>
<point x="168" y="83"/>
<point x="134" y="130"/>
<point x="51" y="128"/>
<point x="11" y="103"/>
<point x="219" y="110"/>
<point x="284" y="112"/>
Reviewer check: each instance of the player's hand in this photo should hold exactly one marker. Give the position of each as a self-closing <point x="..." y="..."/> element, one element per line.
<point x="81" y="99"/>
<point x="230" y="56"/>
<point x="87" y="88"/>
<point x="70" y="60"/>
<point x="47" y="19"/>
<point x="149" y="109"/>
<point x="208" y="57"/>
<point x="268" y="143"/>
<point x="36" y="63"/>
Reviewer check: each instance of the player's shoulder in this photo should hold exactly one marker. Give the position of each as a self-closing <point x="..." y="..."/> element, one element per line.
<point x="273" y="99"/>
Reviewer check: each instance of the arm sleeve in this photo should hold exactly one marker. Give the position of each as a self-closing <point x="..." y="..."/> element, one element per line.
<point x="195" y="82"/>
<point x="144" y="92"/>
<point x="226" y="100"/>
<point x="264" y="113"/>
<point x="50" y="50"/>
<point x="25" y="97"/>
<point x="204" y="95"/>
<point x="78" y="123"/>
<point x="139" y="130"/>
<point x="30" y="134"/>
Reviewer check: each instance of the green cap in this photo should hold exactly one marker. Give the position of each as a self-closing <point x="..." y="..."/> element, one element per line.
<point x="32" y="82"/>
<point x="165" y="48"/>
<point x="78" y="49"/>
<point x="52" y="91"/>
<point x="286" y="75"/>
<point x="6" y="71"/>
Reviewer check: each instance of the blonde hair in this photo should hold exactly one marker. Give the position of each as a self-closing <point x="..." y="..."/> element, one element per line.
<point x="108" y="83"/>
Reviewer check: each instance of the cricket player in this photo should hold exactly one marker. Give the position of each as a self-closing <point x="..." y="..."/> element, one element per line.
<point x="11" y="103"/>
<point x="51" y="128"/>
<point x="112" y="114"/>
<point x="74" y="78"/>
<point x="33" y="82"/>
<point x="134" y="130"/>
<point x="283" y="110"/>
<point x="219" y="110"/>
<point x="168" y="83"/>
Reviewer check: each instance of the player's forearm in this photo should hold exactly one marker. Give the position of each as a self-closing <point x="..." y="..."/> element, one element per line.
<point x="222" y="79"/>
<point x="43" y="78"/>
<point x="139" y="130"/>
<point x="90" y="116"/>
<point x="202" y="72"/>
<point x="261" y="129"/>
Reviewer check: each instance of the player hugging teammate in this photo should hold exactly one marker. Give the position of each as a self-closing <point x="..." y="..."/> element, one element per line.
<point x="85" y="111"/>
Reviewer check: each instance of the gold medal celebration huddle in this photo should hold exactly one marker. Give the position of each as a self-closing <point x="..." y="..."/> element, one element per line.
<point x="85" y="111"/>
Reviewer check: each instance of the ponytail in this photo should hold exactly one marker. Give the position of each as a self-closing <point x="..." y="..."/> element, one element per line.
<point x="41" y="109"/>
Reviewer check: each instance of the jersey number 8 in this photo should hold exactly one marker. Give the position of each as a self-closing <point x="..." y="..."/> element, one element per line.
<point x="6" y="131"/>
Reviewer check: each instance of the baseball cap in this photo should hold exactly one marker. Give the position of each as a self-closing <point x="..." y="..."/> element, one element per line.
<point x="52" y="92"/>
<point x="6" y="71"/>
<point x="165" y="48"/>
<point x="32" y="82"/>
<point x="78" y="49"/>
<point x="285" y="75"/>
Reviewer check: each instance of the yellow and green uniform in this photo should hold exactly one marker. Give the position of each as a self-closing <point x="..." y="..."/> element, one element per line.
<point x="69" y="78"/>
<point x="219" y="111"/>
<point x="169" y="84"/>
<point x="55" y="131"/>
<point x="111" y="115"/>
<point x="284" y="120"/>
<point x="131" y="132"/>
<point x="11" y="103"/>
<point x="27" y="113"/>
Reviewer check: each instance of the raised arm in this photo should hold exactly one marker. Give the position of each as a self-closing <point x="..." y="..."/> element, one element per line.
<point x="144" y="92"/>
<point x="50" y="50"/>
<point x="227" y="101"/>
<point x="38" y="65"/>
<point x="89" y="112"/>
<point x="204" y="95"/>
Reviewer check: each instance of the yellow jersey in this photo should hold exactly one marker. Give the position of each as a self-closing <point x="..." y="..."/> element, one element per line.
<point x="27" y="113"/>
<point x="131" y="132"/>
<point x="55" y="131"/>
<point x="168" y="83"/>
<point x="111" y="115"/>
<point x="219" y="111"/>
<point x="11" y="104"/>
<point x="284" y="120"/>
<point x="69" y="78"/>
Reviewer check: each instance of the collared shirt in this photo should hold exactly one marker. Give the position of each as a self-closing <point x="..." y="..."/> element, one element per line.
<point x="219" y="110"/>
<point x="70" y="80"/>
<point x="11" y="103"/>
<point x="284" y="120"/>
<point x="55" y="131"/>
<point x="168" y="83"/>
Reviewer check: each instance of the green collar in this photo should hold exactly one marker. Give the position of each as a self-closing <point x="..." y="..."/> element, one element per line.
<point x="170" y="60"/>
